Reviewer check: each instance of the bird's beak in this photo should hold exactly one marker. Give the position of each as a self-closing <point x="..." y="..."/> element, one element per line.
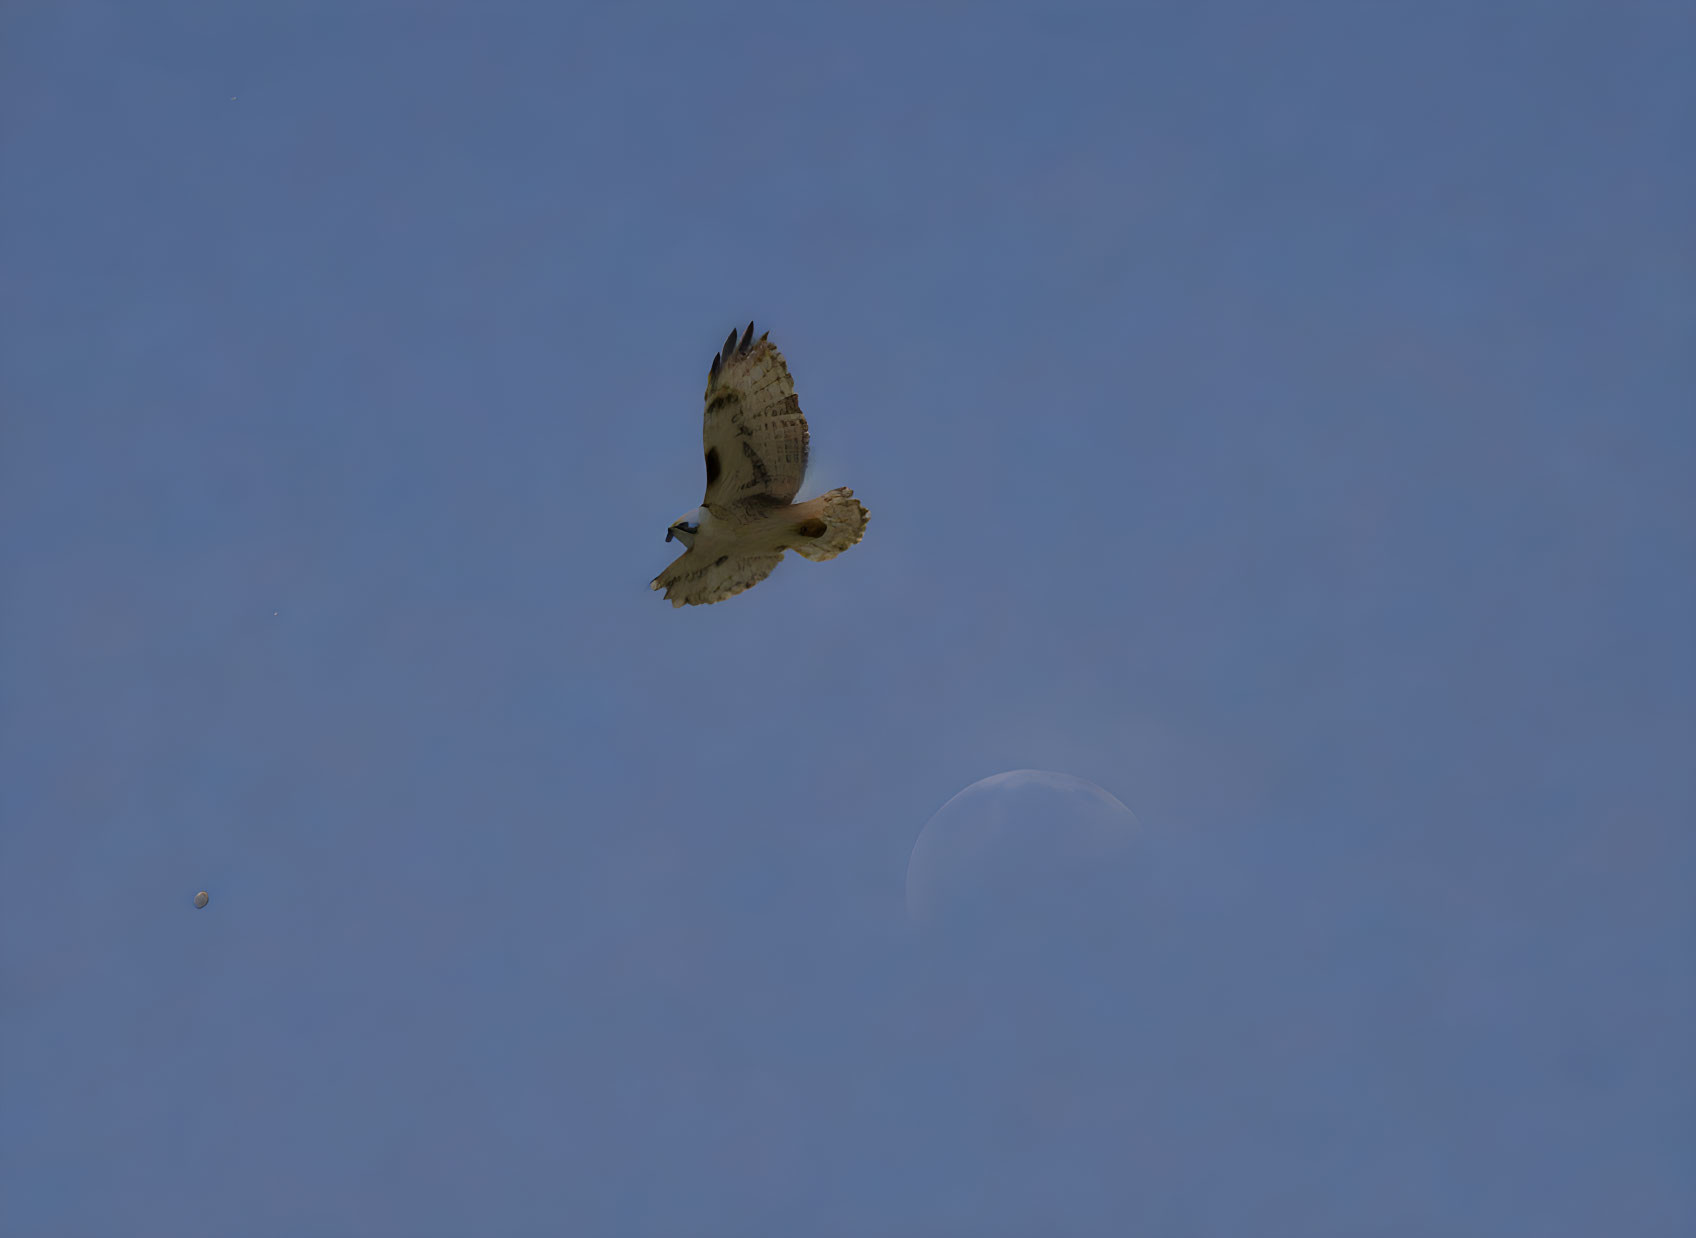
<point x="669" y="532"/>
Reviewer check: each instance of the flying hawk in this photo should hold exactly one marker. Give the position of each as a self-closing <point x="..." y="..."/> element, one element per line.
<point x="756" y="444"/>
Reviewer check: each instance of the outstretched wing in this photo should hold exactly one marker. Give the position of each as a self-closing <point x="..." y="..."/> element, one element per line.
<point x="753" y="431"/>
<point x="695" y="579"/>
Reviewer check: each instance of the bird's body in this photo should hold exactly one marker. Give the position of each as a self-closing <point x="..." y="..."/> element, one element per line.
<point x="755" y="439"/>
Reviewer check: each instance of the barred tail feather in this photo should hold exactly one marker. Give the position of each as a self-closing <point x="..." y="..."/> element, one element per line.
<point x="829" y="524"/>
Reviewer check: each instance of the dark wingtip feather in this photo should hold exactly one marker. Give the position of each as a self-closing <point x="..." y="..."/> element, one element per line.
<point x="747" y="339"/>
<point x="718" y="364"/>
<point x="730" y="344"/>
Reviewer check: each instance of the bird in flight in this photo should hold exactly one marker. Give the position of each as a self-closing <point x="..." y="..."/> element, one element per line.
<point x="756" y="444"/>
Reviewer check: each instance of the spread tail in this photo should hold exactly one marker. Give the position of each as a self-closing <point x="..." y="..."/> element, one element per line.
<point x="829" y="524"/>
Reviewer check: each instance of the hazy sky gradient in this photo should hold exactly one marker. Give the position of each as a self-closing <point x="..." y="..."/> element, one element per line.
<point x="1279" y="415"/>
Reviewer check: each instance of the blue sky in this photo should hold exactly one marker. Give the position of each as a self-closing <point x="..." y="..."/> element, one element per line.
<point x="1276" y="415"/>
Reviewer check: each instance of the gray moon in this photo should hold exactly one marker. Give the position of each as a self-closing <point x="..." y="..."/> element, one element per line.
<point x="1026" y="849"/>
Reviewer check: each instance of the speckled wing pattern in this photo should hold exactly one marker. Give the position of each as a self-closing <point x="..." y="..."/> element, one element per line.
<point x="694" y="579"/>
<point x="753" y="433"/>
<point x="755" y="441"/>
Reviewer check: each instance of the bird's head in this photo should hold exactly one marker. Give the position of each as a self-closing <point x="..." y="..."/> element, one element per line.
<point x="684" y="529"/>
